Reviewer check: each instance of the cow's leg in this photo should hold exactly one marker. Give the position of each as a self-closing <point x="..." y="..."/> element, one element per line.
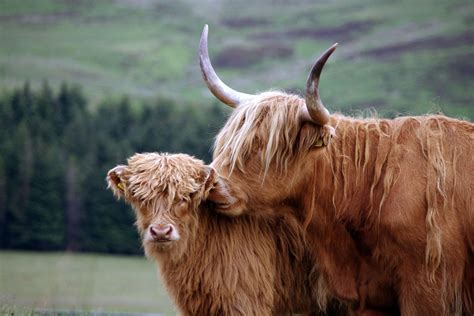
<point x="337" y="256"/>
<point x="468" y="287"/>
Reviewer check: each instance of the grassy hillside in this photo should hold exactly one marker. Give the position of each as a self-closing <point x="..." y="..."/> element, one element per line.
<point x="30" y="281"/>
<point x="395" y="56"/>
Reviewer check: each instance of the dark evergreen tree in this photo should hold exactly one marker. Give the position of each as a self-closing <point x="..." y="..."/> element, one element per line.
<point x="43" y="222"/>
<point x="3" y="203"/>
<point x="19" y="170"/>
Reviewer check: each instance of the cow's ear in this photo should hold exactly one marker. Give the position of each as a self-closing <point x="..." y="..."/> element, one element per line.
<point x="115" y="180"/>
<point x="219" y="193"/>
<point x="209" y="182"/>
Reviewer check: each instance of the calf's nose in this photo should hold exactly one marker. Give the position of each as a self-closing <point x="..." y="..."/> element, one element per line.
<point x="161" y="231"/>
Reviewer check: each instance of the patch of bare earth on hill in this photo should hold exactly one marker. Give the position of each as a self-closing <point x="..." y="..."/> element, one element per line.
<point x="458" y="68"/>
<point x="436" y="42"/>
<point x="343" y="32"/>
<point x="38" y="18"/>
<point x="244" y="22"/>
<point x="240" y="56"/>
<point x="142" y="4"/>
<point x="462" y="66"/>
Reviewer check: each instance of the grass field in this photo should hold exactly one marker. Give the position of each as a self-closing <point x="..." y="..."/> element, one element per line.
<point x="83" y="282"/>
<point x="395" y="56"/>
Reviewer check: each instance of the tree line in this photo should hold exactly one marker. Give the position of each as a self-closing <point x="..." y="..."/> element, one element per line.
<point x="55" y="152"/>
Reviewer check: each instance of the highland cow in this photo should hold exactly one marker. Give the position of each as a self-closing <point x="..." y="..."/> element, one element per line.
<point x="212" y="264"/>
<point x="389" y="203"/>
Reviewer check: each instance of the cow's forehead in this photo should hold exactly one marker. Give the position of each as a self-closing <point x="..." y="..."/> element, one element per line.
<point x="163" y="177"/>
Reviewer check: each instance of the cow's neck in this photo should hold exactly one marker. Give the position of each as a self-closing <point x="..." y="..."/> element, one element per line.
<point x="351" y="170"/>
<point x="344" y="206"/>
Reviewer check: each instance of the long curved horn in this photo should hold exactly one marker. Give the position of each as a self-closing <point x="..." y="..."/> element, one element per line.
<point x="219" y="89"/>
<point x="317" y="112"/>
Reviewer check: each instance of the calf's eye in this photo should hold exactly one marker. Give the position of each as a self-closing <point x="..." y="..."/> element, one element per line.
<point x="181" y="208"/>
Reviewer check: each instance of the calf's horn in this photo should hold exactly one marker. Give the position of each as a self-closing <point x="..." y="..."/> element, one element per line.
<point x="218" y="88"/>
<point x="317" y="112"/>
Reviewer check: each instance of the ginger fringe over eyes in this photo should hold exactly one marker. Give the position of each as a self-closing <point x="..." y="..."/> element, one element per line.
<point x="154" y="177"/>
<point x="271" y="120"/>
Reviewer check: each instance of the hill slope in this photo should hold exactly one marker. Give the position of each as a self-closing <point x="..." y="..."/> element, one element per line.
<point x="394" y="56"/>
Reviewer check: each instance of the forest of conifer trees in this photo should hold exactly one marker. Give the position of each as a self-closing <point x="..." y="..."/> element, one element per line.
<point x="56" y="151"/>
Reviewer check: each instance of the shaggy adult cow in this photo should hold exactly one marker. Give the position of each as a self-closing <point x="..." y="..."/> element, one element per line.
<point x="212" y="264"/>
<point x="388" y="204"/>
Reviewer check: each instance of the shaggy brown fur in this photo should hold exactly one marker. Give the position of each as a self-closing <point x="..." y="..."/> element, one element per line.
<point x="389" y="203"/>
<point x="220" y="265"/>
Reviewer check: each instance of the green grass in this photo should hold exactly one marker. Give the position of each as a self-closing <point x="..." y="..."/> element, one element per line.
<point x="83" y="282"/>
<point x="400" y="57"/>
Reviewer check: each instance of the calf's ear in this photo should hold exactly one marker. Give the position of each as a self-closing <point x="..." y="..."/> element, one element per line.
<point x="225" y="200"/>
<point x="115" y="180"/>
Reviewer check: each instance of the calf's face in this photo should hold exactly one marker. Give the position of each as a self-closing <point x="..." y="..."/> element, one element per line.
<point x="165" y="191"/>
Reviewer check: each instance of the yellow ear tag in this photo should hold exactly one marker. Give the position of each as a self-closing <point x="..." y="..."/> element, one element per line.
<point x="120" y="186"/>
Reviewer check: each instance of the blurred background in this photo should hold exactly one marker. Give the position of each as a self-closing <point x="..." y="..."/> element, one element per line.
<point x="84" y="84"/>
